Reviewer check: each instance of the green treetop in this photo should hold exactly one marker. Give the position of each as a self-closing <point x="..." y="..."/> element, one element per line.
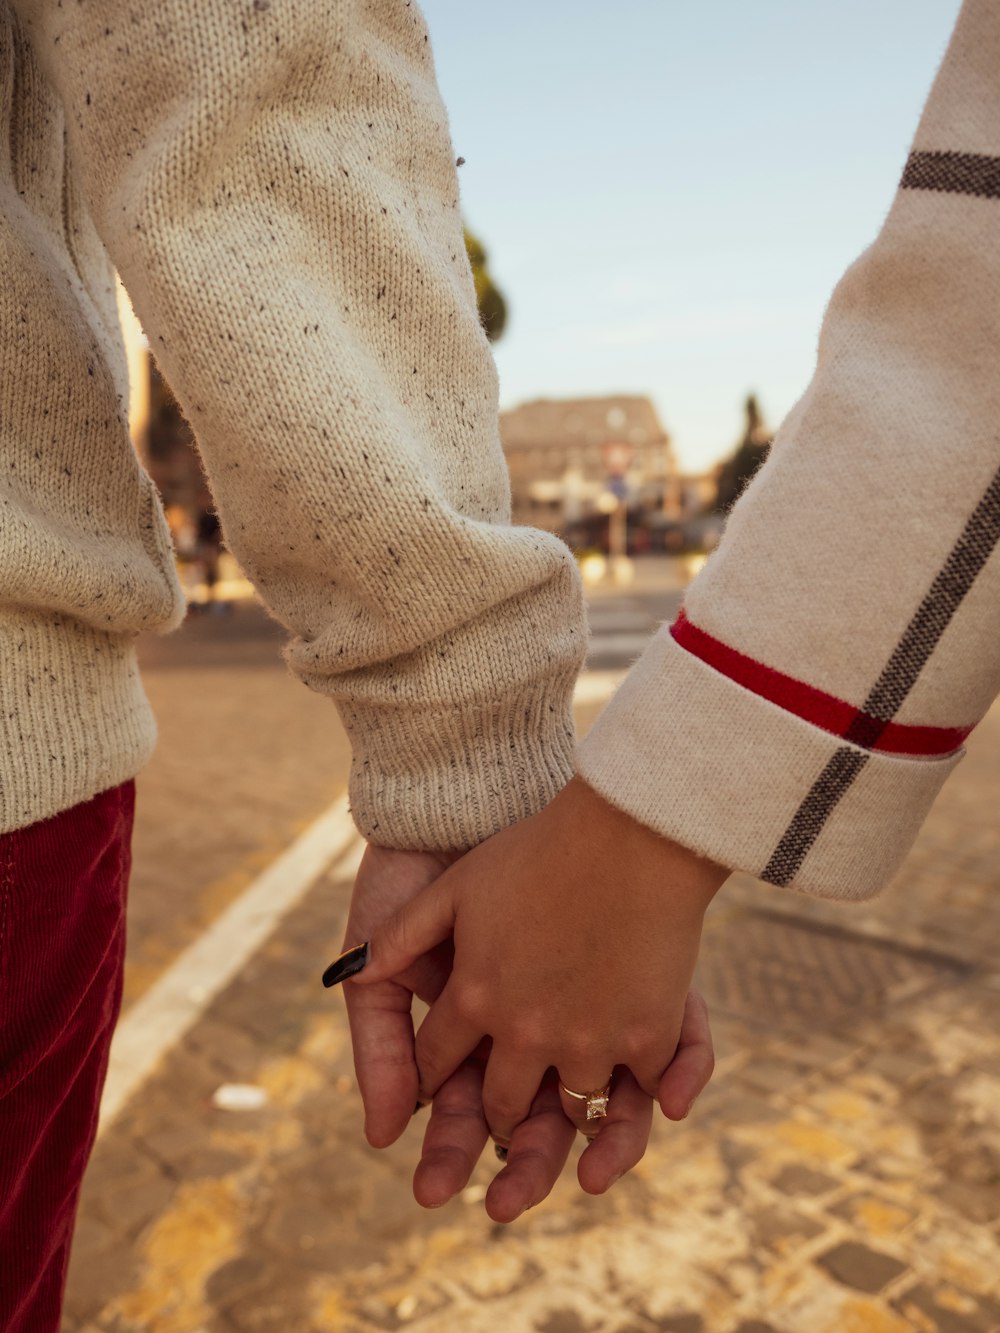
<point x="492" y="306"/>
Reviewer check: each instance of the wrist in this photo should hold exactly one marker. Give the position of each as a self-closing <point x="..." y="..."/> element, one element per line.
<point x="609" y="832"/>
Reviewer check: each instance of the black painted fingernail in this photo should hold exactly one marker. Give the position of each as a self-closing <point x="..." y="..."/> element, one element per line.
<point x="419" y="1107"/>
<point x="501" y="1152"/>
<point x="349" y="964"/>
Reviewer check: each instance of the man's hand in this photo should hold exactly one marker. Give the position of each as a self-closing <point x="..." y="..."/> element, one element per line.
<point x="382" y="1035"/>
<point x="380" y="1016"/>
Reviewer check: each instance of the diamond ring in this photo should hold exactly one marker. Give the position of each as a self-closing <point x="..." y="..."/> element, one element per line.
<point x="597" y="1102"/>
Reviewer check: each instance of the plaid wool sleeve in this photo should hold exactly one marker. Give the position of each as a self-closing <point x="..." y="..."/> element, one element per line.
<point x="801" y="715"/>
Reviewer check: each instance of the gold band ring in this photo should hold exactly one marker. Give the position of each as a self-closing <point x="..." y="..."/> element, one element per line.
<point x="597" y="1101"/>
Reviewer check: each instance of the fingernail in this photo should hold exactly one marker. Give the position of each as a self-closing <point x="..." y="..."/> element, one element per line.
<point x="690" y="1108"/>
<point x="419" y="1107"/>
<point x="349" y="964"/>
<point x="501" y="1152"/>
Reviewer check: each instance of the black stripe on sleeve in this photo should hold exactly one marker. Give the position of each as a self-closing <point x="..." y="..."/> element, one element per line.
<point x="921" y="636"/>
<point x="954" y="173"/>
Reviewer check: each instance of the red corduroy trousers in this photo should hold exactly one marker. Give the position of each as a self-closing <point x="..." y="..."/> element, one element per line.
<point x="62" y="944"/>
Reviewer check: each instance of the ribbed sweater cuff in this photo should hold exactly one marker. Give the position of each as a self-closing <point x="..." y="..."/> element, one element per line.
<point x="446" y="778"/>
<point x="719" y="769"/>
<point x="74" y="719"/>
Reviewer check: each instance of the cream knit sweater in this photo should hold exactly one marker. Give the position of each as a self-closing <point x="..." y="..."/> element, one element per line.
<point x="274" y="181"/>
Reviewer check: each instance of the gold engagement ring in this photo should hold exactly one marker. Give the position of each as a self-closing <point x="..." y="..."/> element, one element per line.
<point x="597" y="1102"/>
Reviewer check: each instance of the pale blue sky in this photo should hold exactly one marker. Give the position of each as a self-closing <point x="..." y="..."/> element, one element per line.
<point x="669" y="191"/>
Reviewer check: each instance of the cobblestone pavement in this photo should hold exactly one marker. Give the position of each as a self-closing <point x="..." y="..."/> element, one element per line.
<point x="246" y="758"/>
<point x="840" y="1175"/>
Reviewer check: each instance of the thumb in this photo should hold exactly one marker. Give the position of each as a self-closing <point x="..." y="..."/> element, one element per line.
<point x="394" y="946"/>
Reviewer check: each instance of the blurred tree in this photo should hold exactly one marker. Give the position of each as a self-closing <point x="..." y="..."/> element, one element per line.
<point x="736" y="472"/>
<point x="492" y="306"/>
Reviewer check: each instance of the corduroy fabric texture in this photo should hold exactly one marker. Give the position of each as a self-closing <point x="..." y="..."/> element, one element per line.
<point x="62" y="946"/>
<point x="862" y="563"/>
<point x="276" y="185"/>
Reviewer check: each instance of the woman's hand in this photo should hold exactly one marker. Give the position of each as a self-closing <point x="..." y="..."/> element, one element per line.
<point x="576" y="934"/>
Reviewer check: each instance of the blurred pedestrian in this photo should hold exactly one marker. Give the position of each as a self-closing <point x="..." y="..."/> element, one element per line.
<point x="208" y="550"/>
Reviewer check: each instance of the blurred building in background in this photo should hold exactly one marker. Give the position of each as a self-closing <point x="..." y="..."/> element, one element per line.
<point x="601" y="472"/>
<point x="572" y="461"/>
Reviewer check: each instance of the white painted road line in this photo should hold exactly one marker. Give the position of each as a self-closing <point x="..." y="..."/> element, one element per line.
<point x="176" y="1000"/>
<point x="180" y="995"/>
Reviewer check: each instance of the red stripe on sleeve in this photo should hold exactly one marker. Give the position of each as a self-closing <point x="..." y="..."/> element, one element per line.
<point x="812" y="705"/>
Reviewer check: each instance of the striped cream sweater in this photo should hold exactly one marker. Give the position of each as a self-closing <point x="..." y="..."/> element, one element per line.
<point x="274" y="181"/>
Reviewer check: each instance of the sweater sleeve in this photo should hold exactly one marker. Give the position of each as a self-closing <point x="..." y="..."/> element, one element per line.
<point x="275" y="182"/>
<point x="800" y="717"/>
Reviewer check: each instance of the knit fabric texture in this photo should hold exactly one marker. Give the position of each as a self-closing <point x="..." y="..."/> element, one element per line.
<point x="800" y="718"/>
<point x="276" y="185"/>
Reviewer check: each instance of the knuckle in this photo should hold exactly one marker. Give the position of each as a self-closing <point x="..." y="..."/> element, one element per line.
<point x="639" y="1043"/>
<point x="579" y="1045"/>
<point x="471" y="1002"/>
<point x="527" y="1032"/>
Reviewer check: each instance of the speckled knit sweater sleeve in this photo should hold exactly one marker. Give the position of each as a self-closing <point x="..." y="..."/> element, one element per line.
<point x="275" y="182"/>
<point x="800" y="717"/>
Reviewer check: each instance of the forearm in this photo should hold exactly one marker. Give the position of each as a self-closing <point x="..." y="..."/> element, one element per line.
<point x="277" y="189"/>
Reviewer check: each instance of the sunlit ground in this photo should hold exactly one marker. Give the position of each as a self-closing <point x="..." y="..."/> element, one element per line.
<point x="840" y="1175"/>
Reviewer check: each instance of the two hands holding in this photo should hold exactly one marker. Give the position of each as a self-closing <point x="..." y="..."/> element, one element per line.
<point x="559" y="952"/>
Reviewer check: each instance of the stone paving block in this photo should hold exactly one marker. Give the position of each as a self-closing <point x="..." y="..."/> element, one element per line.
<point x="563" y="1321"/>
<point x="978" y="1203"/>
<point x="237" y="1277"/>
<point x="773" y="1075"/>
<point x="945" y="1309"/>
<point x="172" y="1143"/>
<point x="747" y="1107"/>
<point x="95" y="1278"/>
<point x="873" y="1215"/>
<point x="824" y="1052"/>
<point x="860" y="1267"/>
<point x="681" y="1323"/>
<point x="127" y="1208"/>
<point x="840" y="1310"/>
<point x="797" y="1179"/>
<point x="277" y="1304"/>
<point x="783" y="1229"/>
<point x="975" y="1161"/>
<point x="232" y="1052"/>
